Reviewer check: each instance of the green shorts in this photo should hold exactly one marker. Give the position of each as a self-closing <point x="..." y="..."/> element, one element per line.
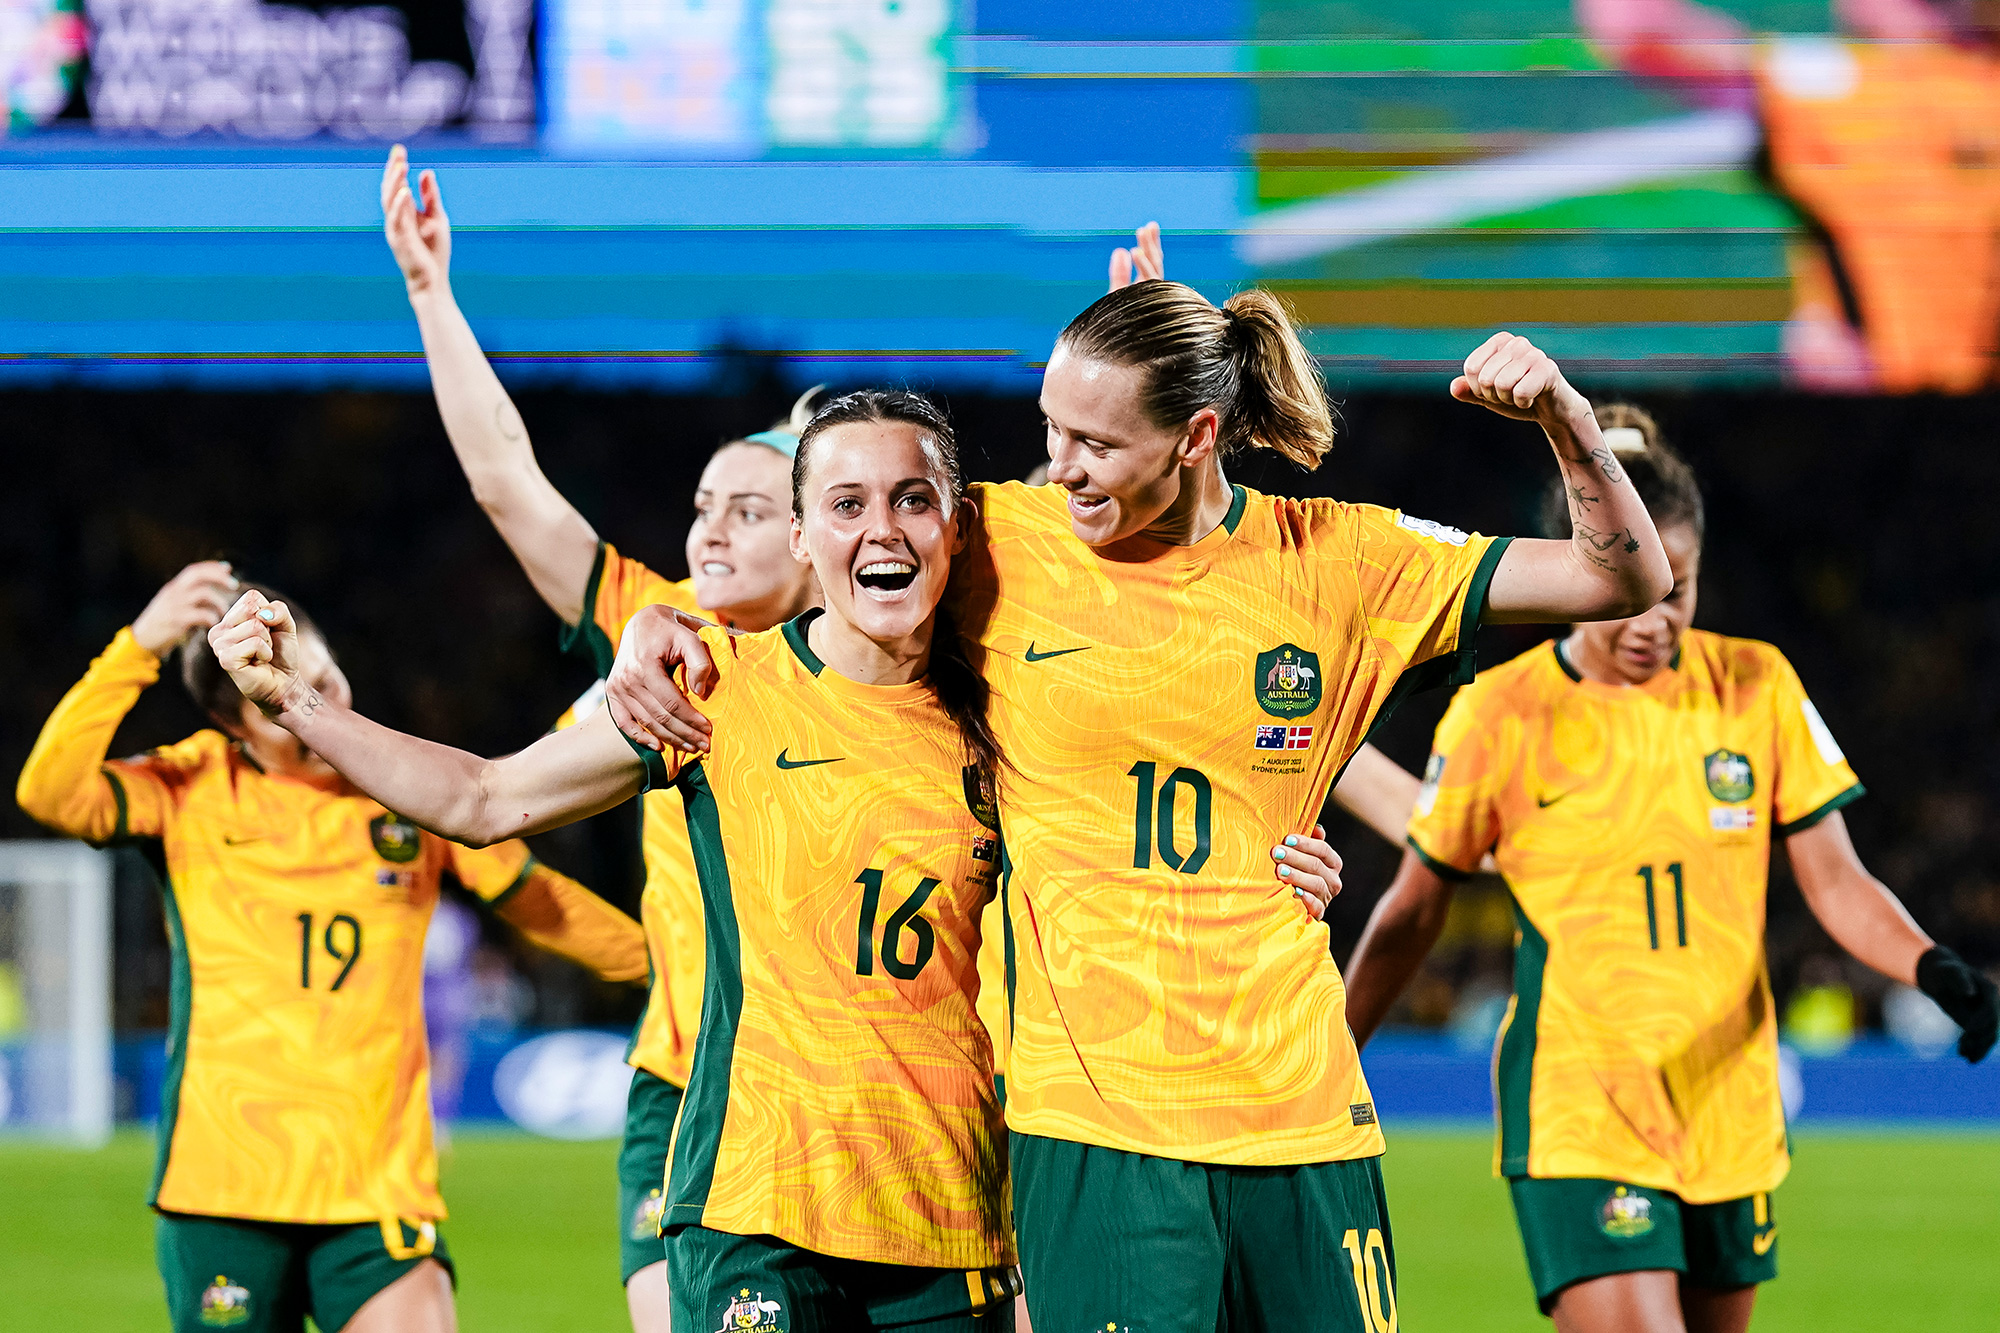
<point x="266" y="1277"/>
<point x="650" y="1109"/>
<point x="759" y="1283"/>
<point x="1154" y="1245"/>
<point x="1576" y="1229"/>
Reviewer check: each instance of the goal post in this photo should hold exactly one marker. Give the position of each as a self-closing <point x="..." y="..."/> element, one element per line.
<point x="55" y="991"/>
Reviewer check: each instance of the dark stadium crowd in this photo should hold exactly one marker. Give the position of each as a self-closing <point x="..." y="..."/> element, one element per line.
<point x="1856" y="535"/>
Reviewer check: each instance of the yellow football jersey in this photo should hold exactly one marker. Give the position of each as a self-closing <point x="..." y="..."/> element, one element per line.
<point x="1634" y="826"/>
<point x="298" y="1076"/>
<point x="1171" y="713"/>
<point x="670" y="904"/>
<point x="842" y="1093"/>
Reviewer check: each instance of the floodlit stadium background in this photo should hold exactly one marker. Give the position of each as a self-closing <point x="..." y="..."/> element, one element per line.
<point x="672" y="215"/>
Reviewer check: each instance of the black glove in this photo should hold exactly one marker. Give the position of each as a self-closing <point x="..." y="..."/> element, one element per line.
<point x="1967" y="994"/>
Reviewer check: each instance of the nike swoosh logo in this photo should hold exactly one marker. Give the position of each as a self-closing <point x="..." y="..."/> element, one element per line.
<point x="1762" y="1244"/>
<point x="1034" y="656"/>
<point x="1546" y="802"/>
<point x="228" y="841"/>
<point x="784" y="761"/>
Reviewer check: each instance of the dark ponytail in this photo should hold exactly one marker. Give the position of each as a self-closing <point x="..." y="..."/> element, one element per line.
<point x="207" y="683"/>
<point x="1244" y="360"/>
<point x="1665" y="482"/>
<point x="961" y="690"/>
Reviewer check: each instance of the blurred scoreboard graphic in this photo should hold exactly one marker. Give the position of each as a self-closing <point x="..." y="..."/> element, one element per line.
<point x="926" y="189"/>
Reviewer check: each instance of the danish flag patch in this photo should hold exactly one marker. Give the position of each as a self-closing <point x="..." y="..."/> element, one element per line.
<point x="1283" y="738"/>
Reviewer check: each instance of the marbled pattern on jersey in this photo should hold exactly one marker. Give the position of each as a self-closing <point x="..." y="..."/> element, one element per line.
<point x="1634" y="827"/>
<point x="1171" y="996"/>
<point x="842" y="1090"/>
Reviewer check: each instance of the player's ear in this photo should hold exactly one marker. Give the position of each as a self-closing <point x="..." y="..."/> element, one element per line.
<point x="1204" y="430"/>
<point x="961" y="521"/>
<point x="799" y="552"/>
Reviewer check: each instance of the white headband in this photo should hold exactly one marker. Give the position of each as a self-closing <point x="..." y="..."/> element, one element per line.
<point x="1625" y="440"/>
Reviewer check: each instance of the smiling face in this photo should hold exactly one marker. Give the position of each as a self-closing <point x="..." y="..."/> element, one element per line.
<point x="1122" y="472"/>
<point x="1634" y="651"/>
<point x="738" y="547"/>
<point x="877" y="527"/>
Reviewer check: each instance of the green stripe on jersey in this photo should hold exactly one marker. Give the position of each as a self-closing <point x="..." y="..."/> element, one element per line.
<point x="180" y="1003"/>
<point x="698" y="1136"/>
<point x="1514" y="1069"/>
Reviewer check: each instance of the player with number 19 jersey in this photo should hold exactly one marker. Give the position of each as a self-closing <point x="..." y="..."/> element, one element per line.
<point x="1170" y="713"/>
<point x="298" y="1076"/>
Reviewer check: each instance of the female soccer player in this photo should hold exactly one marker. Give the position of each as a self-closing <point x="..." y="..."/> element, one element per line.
<point x="1629" y="780"/>
<point x="296" y="1173"/>
<point x="837" y="1161"/>
<point x="1179" y="669"/>
<point x="743" y="575"/>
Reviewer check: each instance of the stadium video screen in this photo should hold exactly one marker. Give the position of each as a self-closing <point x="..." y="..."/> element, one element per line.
<point x="1742" y="193"/>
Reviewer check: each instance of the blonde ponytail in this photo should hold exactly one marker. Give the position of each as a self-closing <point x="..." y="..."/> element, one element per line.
<point x="1280" y="398"/>
<point x="1244" y="360"/>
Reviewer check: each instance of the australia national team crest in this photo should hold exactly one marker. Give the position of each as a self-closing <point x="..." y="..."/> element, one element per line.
<point x="751" y="1312"/>
<point x="1625" y="1214"/>
<point x="224" y="1304"/>
<point x="395" y="838"/>
<point x="1729" y="776"/>
<point x="1287" y="681"/>
<point x="979" y="796"/>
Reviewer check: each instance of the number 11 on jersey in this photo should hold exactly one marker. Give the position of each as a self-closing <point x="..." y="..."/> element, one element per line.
<point x="1680" y="905"/>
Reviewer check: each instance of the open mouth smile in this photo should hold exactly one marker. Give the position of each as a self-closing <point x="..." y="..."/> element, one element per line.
<point x="887" y="576"/>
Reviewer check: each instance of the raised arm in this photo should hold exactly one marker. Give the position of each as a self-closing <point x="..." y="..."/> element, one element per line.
<point x="561" y="778"/>
<point x="1401" y="930"/>
<point x="65" y="784"/>
<point x="1613" y="565"/>
<point x="553" y="542"/>
<point x="1868" y="921"/>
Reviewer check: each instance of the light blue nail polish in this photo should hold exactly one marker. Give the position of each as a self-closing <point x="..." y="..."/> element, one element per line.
<point x="1284" y="870"/>
<point x="1292" y="840"/>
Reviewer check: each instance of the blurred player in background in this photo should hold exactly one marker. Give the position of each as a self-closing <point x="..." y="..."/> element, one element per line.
<point x="1889" y="148"/>
<point x="1629" y="780"/>
<point x="837" y="1163"/>
<point x="296" y="1174"/>
<point x="743" y="575"/>
<point x="1178" y="1029"/>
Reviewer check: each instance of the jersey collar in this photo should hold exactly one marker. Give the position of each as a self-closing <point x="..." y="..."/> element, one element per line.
<point x="1569" y="669"/>
<point x="917" y="691"/>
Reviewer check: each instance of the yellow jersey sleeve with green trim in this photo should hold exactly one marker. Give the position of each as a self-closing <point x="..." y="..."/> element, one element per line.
<point x="1171" y="713"/>
<point x="1633" y="826"/>
<point x="618" y="587"/>
<point x="670" y="904"/>
<point x="1455" y="820"/>
<point x="552" y="910"/>
<point x="842" y="1091"/>
<point x="298" y="1079"/>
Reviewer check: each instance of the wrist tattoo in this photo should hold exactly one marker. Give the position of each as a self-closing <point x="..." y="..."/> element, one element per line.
<point x="1607" y="463"/>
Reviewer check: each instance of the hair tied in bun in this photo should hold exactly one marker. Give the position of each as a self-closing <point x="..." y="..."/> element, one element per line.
<point x="1625" y="441"/>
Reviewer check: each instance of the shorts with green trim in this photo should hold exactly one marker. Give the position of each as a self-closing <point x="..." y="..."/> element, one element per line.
<point x="1576" y="1229"/>
<point x="767" y="1285"/>
<point x="1155" y="1245"/>
<point x="650" y="1109"/>
<point x="267" y="1277"/>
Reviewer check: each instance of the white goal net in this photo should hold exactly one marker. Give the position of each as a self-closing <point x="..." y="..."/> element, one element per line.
<point x="55" y="991"/>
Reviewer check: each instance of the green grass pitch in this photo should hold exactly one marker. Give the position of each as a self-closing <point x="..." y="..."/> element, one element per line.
<point x="1884" y="1230"/>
